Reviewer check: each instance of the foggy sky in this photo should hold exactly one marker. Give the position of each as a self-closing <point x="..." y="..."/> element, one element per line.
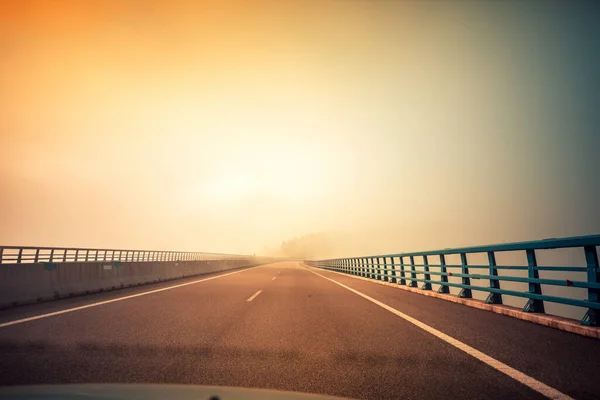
<point x="217" y="126"/>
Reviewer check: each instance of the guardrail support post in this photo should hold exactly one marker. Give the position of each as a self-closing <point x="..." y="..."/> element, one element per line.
<point x="37" y="255"/>
<point x="402" y="276"/>
<point x="413" y="274"/>
<point x="379" y="277"/>
<point x="493" y="298"/>
<point x="372" y="267"/>
<point x="51" y="255"/>
<point x="426" y="285"/>
<point x="76" y="255"/>
<point x="591" y="258"/>
<point x="393" y="270"/>
<point x="533" y="305"/>
<point x="19" y="256"/>
<point x="444" y="278"/>
<point x="465" y="293"/>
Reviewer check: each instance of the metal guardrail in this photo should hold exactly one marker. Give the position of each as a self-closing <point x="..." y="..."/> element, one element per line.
<point x="27" y="254"/>
<point x="393" y="268"/>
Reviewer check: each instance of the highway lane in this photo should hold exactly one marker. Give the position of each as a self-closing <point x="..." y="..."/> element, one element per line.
<point x="566" y="361"/>
<point x="298" y="332"/>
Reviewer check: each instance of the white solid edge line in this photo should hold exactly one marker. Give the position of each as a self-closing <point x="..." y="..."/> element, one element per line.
<point x="68" y="310"/>
<point x="254" y="295"/>
<point x="526" y="380"/>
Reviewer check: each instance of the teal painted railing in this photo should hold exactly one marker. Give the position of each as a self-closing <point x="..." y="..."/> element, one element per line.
<point x="402" y="269"/>
<point x="29" y="254"/>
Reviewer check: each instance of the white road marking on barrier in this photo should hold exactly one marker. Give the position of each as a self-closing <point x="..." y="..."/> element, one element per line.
<point x="519" y="376"/>
<point x="254" y="295"/>
<point x="68" y="310"/>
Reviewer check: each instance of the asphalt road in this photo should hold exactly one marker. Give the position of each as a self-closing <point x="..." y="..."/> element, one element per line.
<point x="302" y="332"/>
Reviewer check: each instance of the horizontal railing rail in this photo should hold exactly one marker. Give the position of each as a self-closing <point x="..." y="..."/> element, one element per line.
<point x="401" y="268"/>
<point x="31" y="254"/>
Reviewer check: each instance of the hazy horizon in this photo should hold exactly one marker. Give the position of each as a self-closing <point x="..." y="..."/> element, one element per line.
<point x="221" y="127"/>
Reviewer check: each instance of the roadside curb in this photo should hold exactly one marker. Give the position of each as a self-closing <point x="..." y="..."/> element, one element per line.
<point x="564" y="324"/>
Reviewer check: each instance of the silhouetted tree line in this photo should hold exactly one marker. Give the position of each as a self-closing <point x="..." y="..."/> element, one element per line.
<point x="309" y="246"/>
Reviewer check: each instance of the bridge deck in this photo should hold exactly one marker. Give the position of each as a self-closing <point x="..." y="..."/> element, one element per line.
<point x="302" y="332"/>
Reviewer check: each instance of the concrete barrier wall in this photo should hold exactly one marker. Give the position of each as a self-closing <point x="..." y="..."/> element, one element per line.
<point x="31" y="283"/>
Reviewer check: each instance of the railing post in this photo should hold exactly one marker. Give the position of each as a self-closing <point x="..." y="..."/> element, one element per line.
<point x="37" y="255"/>
<point x="96" y="256"/>
<point x="378" y="270"/>
<point x="493" y="298"/>
<point x="372" y="261"/>
<point x="1" y="254"/>
<point x="426" y="285"/>
<point x="591" y="258"/>
<point x="393" y="270"/>
<point x="443" y="288"/>
<point x="402" y="276"/>
<point x="65" y="255"/>
<point x="465" y="293"/>
<point x="361" y="267"/>
<point x="51" y="254"/>
<point x="112" y="255"/>
<point x="76" y="255"/>
<point x="19" y="256"/>
<point x="533" y="305"/>
<point x="413" y="274"/>
<point x="87" y="253"/>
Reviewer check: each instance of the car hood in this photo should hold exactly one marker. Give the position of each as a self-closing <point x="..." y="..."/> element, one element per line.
<point x="150" y="392"/>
